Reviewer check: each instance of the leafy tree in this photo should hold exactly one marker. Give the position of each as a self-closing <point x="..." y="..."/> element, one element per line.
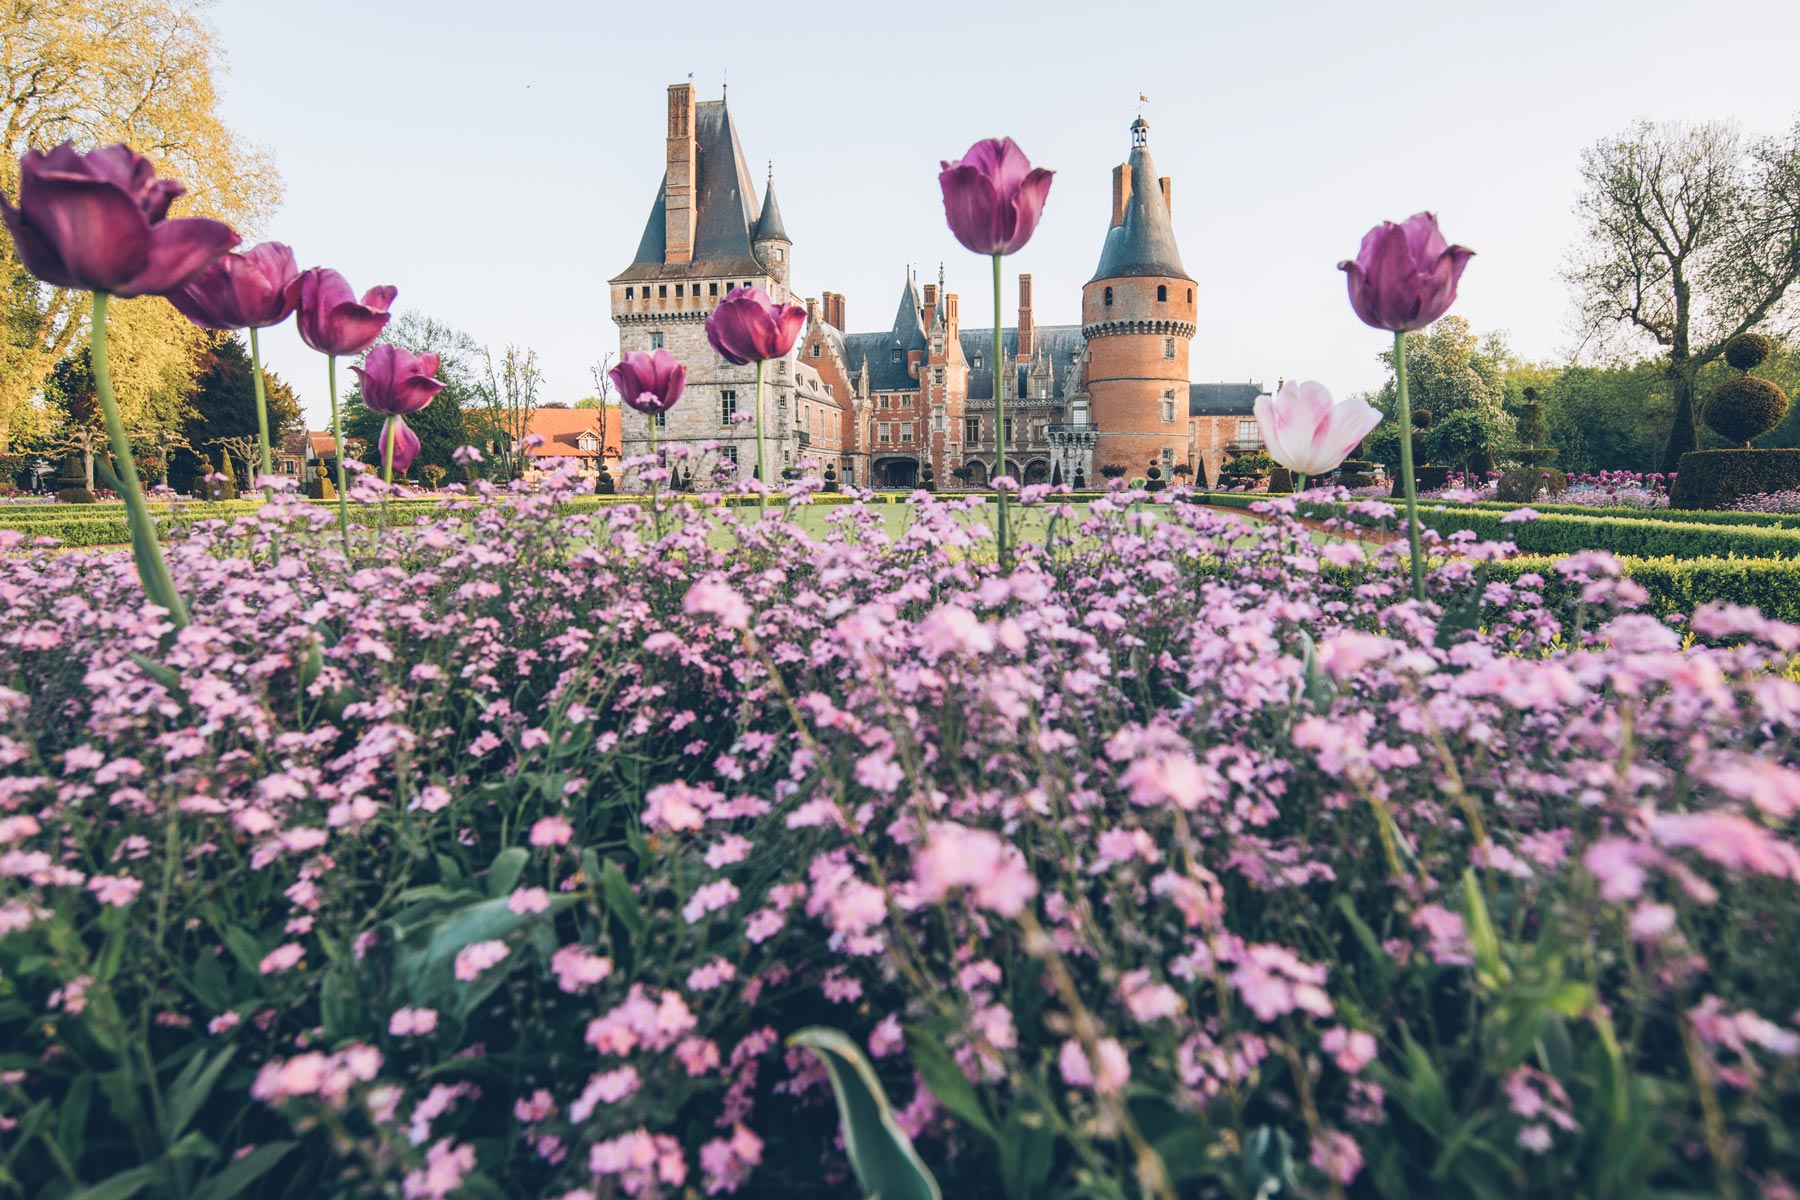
<point x="1450" y="368"/>
<point x="1692" y="237"/>
<point x="444" y="424"/>
<point x="97" y="71"/>
<point x="222" y="407"/>
<point x="1468" y="438"/>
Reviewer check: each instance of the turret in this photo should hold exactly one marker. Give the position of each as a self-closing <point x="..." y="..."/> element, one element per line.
<point x="770" y="240"/>
<point x="1138" y="315"/>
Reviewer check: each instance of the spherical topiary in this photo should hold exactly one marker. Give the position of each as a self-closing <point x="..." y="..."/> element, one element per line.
<point x="1744" y="407"/>
<point x="1747" y="350"/>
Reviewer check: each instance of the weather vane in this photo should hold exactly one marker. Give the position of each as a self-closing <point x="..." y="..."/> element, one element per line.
<point x="1142" y="100"/>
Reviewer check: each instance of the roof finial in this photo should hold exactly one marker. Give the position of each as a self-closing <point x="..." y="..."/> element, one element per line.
<point x="771" y="170"/>
<point x="724" y="84"/>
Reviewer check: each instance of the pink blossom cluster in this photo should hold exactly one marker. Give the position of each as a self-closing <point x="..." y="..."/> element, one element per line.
<point x="518" y="849"/>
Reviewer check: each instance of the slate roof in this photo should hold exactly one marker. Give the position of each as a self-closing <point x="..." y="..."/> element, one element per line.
<point x="887" y="369"/>
<point x="1144" y="243"/>
<point x="1223" y="399"/>
<point x="1063" y="343"/>
<point x="769" y="226"/>
<point x="726" y="195"/>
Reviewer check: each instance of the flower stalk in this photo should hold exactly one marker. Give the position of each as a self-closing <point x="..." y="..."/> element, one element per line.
<point x="337" y="437"/>
<point x="262" y="414"/>
<point x="159" y="585"/>
<point x="762" y="453"/>
<point x="1000" y="423"/>
<point x="1408" y="480"/>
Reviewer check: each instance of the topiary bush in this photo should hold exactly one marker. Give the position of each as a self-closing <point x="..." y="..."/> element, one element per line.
<point x="1718" y="478"/>
<point x="1748" y="350"/>
<point x="1527" y="483"/>
<point x="1281" y="480"/>
<point x="75" y="495"/>
<point x="1744" y="408"/>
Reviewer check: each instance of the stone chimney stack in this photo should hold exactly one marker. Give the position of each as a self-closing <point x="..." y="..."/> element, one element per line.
<point x="1168" y="202"/>
<point x="1027" y="329"/>
<point x="1121" y="193"/>
<point x="931" y="296"/>
<point x="679" y="206"/>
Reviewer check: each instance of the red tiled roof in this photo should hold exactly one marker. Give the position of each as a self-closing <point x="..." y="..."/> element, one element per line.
<point x="562" y="429"/>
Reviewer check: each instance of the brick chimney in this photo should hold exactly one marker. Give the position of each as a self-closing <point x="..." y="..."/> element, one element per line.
<point x="1027" y="330"/>
<point x="1168" y="203"/>
<point x="678" y="190"/>
<point x="1121" y="193"/>
<point x="951" y="320"/>
<point x="931" y="294"/>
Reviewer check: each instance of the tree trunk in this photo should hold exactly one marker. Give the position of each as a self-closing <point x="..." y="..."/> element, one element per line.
<point x="87" y="463"/>
<point x="1682" y="436"/>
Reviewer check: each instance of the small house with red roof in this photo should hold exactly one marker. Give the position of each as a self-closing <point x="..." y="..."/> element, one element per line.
<point x="588" y="436"/>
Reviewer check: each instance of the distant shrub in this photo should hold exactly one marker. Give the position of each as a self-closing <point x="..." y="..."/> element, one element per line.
<point x="1719" y="478"/>
<point x="1743" y="408"/>
<point x="75" y="495"/>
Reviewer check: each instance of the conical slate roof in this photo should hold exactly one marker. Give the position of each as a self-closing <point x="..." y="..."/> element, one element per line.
<point x="768" y="226"/>
<point x="725" y="194"/>
<point x="1144" y="243"/>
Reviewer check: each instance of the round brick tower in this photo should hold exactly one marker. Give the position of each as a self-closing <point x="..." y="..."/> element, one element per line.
<point x="1137" y="314"/>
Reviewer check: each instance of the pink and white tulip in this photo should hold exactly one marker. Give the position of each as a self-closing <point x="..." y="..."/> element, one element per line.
<point x="1306" y="431"/>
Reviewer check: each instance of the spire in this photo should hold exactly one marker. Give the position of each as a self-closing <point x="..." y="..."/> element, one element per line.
<point x="909" y="332"/>
<point x="768" y="226"/>
<point x="1142" y="239"/>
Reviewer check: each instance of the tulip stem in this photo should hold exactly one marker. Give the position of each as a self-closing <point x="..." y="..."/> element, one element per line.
<point x="153" y="572"/>
<point x="337" y="438"/>
<point x="1408" y="480"/>
<point x="392" y="431"/>
<point x="262" y="415"/>
<point x="1000" y="419"/>
<point x="762" y="453"/>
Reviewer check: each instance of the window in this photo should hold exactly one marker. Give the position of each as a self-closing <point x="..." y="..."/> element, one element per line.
<point x="780" y="254"/>
<point x="815" y="350"/>
<point x="937" y="345"/>
<point x="894" y="354"/>
<point x="1009" y="429"/>
<point x="1190" y="295"/>
<point x="971" y="429"/>
<point x="884" y="402"/>
<point x="1109" y="297"/>
<point x="656" y="340"/>
<point x="712" y="289"/>
<point x="1168" y="408"/>
<point x="630" y="293"/>
<point x="729" y="453"/>
<point x="937" y="374"/>
<point x="588" y="443"/>
<point x="881" y="432"/>
<point x="937" y="422"/>
<point x="1168" y="347"/>
<point x="662" y="420"/>
<point x="906" y="431"/>
<point x="977" y="363"/>
<point x="680" y="290"/>
<point x="727" y="407"/>
<point x="828" y="390"/>
<point x="662" y="291"/>
<point x="1162" y="293"/>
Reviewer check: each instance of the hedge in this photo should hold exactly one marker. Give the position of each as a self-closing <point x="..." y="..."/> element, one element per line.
<point x="1680" y="585"/>
<point x="1561" y="533"/>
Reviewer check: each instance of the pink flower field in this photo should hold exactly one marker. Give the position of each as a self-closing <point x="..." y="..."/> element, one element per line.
<point x="1180" y="857"/>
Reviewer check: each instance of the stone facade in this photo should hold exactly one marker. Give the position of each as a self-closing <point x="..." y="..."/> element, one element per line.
<point x="914" y="403"/>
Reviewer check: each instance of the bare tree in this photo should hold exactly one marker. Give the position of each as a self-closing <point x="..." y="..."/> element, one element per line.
<point x="510" y="396"/>
<point x="1692" y="238"/>
<point x="603" y="387"/>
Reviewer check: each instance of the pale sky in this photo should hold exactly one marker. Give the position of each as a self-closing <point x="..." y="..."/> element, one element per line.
<point x="496" y="162"/>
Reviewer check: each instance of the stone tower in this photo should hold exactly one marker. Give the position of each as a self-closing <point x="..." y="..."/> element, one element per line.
<point x="706" y="235"/>
<point x="1137" y="314"/>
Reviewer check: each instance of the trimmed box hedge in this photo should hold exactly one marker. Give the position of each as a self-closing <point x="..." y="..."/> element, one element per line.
<point x="1563" y="533"/>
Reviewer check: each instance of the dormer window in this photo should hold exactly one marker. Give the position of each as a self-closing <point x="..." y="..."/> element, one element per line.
<point x="977" y="363"/>
<point x="589" y="443"/>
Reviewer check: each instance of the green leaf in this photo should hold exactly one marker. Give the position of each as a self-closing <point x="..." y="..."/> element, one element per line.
<point x="237" y="1177"/>
<point x="72" y="1118"/>
<point x="1489" y="964"/>
<point x="504" y="874"/>
<point x="168" y="676"/>
<point x="1318" y="688"/>
<point x="425" y="963"/>
<point x="121" y="1186"/>
<point x="881" y="1154"/>
<point x="191" y="1088"/>
<point x="946" y="1080"/>
<point x="623" y="901"/>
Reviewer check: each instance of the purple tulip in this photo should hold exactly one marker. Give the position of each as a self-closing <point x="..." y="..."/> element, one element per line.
<point x="406" y="444"/>
<point x="254" y="289"/>
<point x="650" y="383"/>
<point x="396" y="382"/>
<point x="1405" y="276"/>
<point x="332" y="321"/>
<point x="98" y="222"/>
<point x="993" y="196"/>
<point x="749" y="327"/>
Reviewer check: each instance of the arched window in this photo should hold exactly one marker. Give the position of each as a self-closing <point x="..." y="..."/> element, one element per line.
<point x="1190" y="295"/>
<point x="1162" y="293"/>
<point x="1109" y="297"/>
